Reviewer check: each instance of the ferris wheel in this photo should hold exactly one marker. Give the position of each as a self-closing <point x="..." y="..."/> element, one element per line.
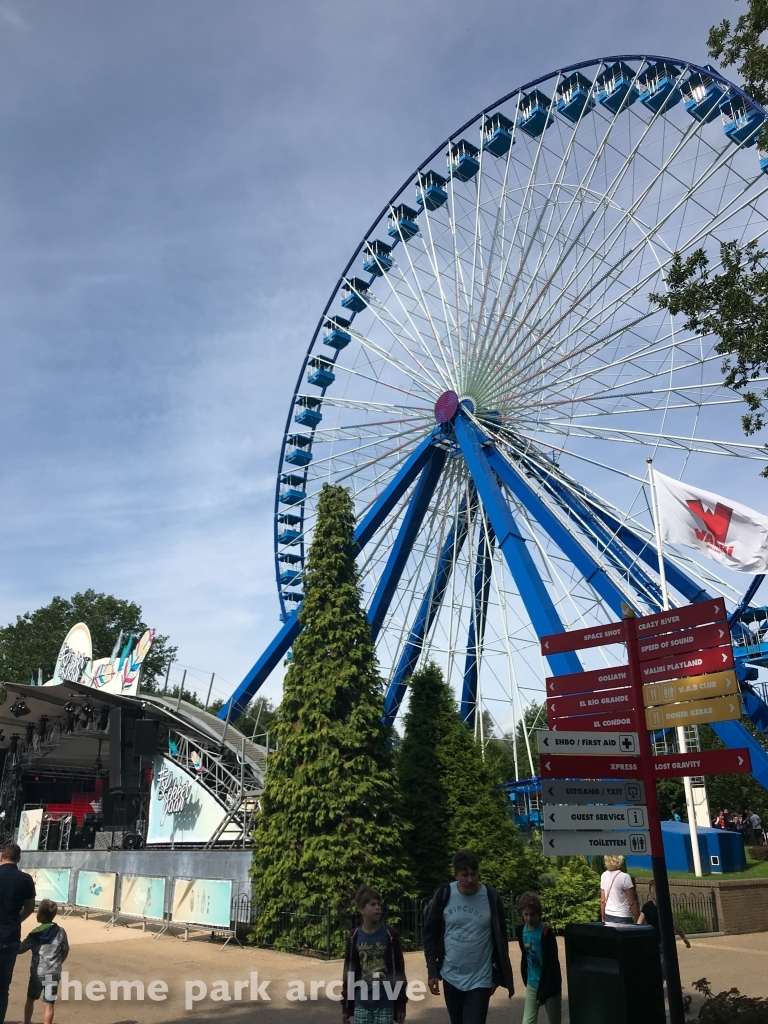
<point x="489" y="375"/>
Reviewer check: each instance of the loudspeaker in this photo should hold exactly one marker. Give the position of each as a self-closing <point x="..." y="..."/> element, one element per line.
<point x="124" y="766"/>
<point x="133" y="841"/>
<point x="146" y="737"/>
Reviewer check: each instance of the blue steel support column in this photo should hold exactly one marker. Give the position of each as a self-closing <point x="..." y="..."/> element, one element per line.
<point x="376" y="515"/>
<point x="585" y="562"/>
<point x="401" y="549"/>
<point x="428" y="609"/>
<point x="483" y="570"/>
<point x="534" y="594"/>
<point x="266" y="663"/>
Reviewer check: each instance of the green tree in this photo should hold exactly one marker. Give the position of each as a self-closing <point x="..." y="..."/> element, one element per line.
<point x="329" y="818"/>
<point x="464" y="805"/>
<point x="734" y="792"/>
<point x="733" y="306"/>
<point x="429" y="723"/>
<point x="741" y="44"/>
<point x="33" y="641"/>
<point x="575" y="896"/>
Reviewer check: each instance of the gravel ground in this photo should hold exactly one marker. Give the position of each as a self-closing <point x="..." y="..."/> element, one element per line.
<point x="109" y="955"/>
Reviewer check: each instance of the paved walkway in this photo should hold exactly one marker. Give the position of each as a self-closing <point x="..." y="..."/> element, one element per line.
<point x="126" y="954"/>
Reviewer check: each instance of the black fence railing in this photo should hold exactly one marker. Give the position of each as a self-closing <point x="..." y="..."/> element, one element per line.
<point x="320" y="930"/>
<point x="696" y="912"/>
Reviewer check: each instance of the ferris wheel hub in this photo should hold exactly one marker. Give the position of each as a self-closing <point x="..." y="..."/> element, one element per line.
<point x="446" y="406"/>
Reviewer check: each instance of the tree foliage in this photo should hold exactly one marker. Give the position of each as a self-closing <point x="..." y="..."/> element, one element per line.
<point x="329" y="818"/>
<point x="741" y="45"/>
<point x="428" y="724"/>
<point x="460" y="805"/>
<point x="729" y="1007"/>
<point x="733" y="306"/>
<point x="33" y="641"/>
<point x="575" y="896"/>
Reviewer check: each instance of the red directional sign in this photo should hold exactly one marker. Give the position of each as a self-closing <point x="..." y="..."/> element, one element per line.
<point x="705" y="762"/>
<point x="681" y="618"/>
<point x="582" y="704"/>
<point x="586" y="682"/>
<point x="597" y="721"/>
<point x="696" y="639"/>
<point x="678" y="667"/>
<point x="578" y="639"/>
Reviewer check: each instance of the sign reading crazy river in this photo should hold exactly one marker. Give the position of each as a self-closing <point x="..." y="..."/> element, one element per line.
<point x="117" y="674"/>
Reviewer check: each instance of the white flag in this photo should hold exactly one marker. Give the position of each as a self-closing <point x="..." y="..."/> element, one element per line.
<point x="727" y="531"/>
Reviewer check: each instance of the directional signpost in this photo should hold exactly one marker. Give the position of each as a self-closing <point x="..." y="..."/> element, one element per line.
<point x="596" y="761"/>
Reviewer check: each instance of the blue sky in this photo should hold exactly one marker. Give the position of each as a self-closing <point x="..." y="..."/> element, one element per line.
<point x="180" y="185"/>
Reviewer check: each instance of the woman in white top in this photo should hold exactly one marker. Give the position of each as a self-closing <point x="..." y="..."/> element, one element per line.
<point x="618" y="900"/>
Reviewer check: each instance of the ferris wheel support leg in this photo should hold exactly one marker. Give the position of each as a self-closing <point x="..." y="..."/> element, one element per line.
<point x="397" y="487"/>
<point x="534" y="594"/>
<point x="279" y="647"/>
<point x="483" y="571"/>
<point x="406" y="536"/>
<point x="588" y="566"/>
<point x="428" y="609"/>
<point x="624" y="558"/>
<point x="645" y="549"/>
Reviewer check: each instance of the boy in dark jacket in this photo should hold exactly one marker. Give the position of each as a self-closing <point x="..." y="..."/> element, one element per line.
<point x="50" y="949"/>
<point x="373" y="985"/>
<point x="540" y="965"/>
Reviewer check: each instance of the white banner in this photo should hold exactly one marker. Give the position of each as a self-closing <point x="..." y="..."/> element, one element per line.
<point x="729" y="532"/>
<point x="30" y="824"/>
<point x="180" y="809"/>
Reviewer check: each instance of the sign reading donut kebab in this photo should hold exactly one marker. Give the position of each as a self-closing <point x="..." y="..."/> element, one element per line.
<point x="686" y="665"/>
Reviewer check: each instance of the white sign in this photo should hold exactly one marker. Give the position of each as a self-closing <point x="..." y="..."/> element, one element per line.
<point x="74" y="657"/>
<point x="181" y="810"/>
<point x="578" y="791"/>
<point x="574" y="844"/>
<point x="587" y="742"/>
<point x="30" y="824"/>
<point x="577" y="816"/>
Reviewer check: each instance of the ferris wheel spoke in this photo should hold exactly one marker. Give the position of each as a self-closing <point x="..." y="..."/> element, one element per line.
<point x="427" y="378"/>
<point x="645" y="437"/>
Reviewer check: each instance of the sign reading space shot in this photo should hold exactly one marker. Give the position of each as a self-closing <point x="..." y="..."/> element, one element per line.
<point x="587" y="742"/>
<point x="582" y="791"/>
<point x="573" y="844"/>
<point x="581" y="818"/>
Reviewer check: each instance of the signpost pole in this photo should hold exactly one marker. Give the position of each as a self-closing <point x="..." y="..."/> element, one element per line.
<point x="663" y="902"/>
<point x="681" y="741"/>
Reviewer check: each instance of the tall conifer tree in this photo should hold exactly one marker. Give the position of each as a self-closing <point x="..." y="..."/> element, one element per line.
<point x="329" y="821"/>
<point x="451" y="798"/>
<point x="429" y="722"/>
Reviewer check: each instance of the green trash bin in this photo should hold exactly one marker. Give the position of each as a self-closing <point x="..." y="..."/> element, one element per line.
<point x="614" y="974"/>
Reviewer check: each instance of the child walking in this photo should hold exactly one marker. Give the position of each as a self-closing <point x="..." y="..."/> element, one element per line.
<point x="50" y="949"/>
<point x="540" y="965"/>
<point x="373" y="986"/>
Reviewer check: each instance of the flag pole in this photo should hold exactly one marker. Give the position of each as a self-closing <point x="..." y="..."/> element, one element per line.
<point x="681" y="741"/>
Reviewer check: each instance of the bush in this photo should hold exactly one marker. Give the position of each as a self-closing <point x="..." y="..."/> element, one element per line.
<point x="690" y="921"/>
<point x="730" y="1006"/>
<point x="758" y="852"/>
<point x="575" y="896"/>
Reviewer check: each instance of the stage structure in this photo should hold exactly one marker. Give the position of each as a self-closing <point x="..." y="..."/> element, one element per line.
<point x="489" y="365"/>
<point x="85" y="768"/>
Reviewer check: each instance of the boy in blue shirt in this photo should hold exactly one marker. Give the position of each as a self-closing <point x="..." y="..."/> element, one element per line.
<point x="540" y="965"/>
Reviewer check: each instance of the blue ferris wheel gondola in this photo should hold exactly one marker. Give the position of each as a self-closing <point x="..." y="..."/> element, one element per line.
<point x="500" y="366"/>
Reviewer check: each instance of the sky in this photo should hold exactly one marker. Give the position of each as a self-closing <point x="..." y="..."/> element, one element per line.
<point x="181" y="184"/>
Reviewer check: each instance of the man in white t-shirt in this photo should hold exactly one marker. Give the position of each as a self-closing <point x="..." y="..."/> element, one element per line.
<point x="618" y="899"/>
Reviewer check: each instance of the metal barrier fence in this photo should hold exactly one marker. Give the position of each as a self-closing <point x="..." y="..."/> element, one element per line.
<point x="696" y="912"/>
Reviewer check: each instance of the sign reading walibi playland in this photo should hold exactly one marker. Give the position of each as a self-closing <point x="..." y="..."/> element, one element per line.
<point x="116" y="674"/>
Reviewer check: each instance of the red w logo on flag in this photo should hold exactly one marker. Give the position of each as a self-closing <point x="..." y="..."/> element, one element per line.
<point x="716" y="522"/>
